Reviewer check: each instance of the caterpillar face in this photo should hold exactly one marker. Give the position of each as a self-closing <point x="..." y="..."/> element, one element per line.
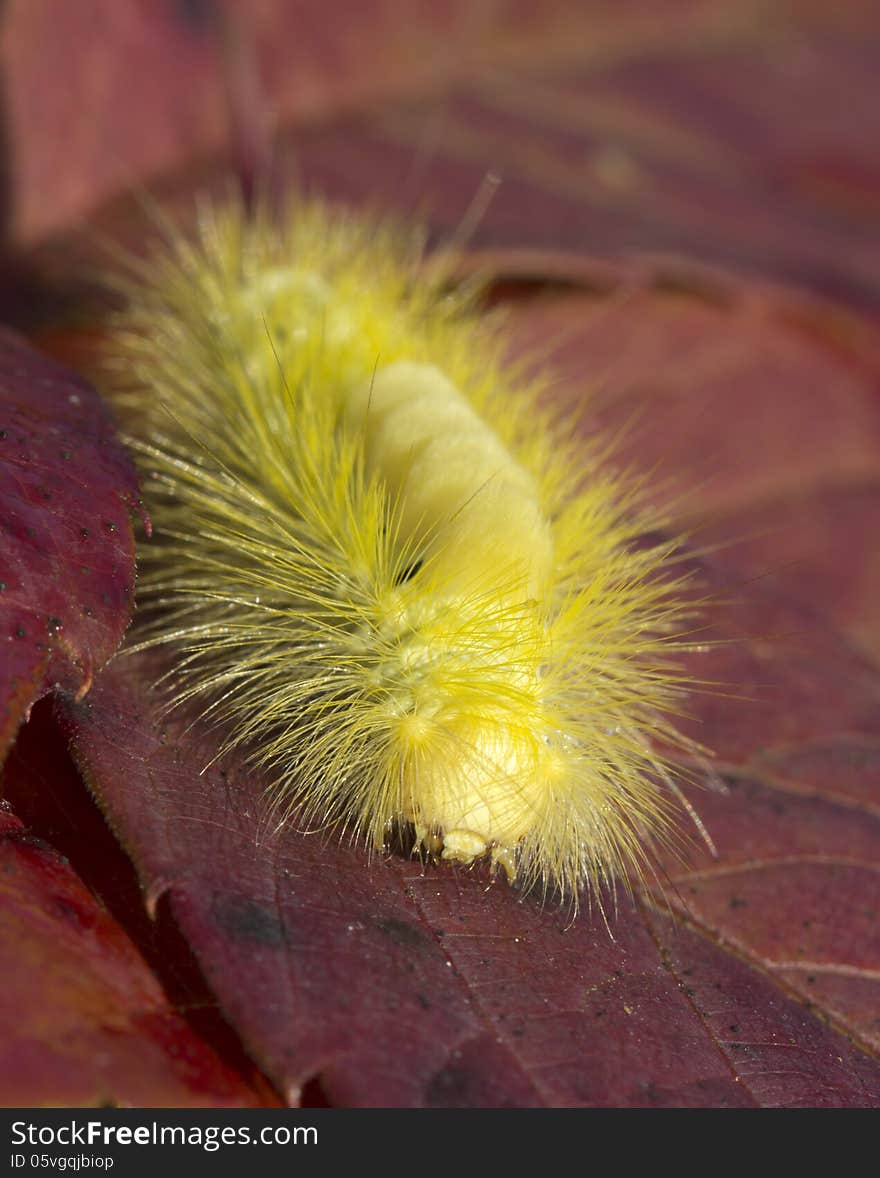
<point x="404" y="588"/>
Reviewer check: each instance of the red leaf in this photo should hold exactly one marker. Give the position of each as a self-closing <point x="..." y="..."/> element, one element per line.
<point x="721" y="130"/>
<point x="759" y="413"/>
<point x="155" y="82"/>
<point x="86" y="1019"/>
<point x="67" y="562"/>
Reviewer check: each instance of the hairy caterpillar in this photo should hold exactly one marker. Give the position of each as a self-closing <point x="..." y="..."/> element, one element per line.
<point x="404" y="587"/>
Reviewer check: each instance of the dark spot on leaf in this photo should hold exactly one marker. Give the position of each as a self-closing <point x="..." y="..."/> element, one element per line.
<point x="449" y="1088"/>
<point x="84" y="532"/>
<point x="246" y="920"/>
<point x="402" y="933"/>
<point x="197" y="15"/>
<point x="72" y="913"/>
<point x="20" y="632"/>
<point x="737" y="902"/>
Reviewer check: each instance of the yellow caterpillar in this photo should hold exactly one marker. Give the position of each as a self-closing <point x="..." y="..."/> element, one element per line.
<point x="411" y="593"/>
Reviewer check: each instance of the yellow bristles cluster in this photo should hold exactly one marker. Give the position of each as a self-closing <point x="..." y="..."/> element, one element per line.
<point x="414" y="597"/>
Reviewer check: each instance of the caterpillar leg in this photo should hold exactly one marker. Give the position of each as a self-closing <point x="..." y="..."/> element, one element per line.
<point x="505" y="858"/>
<point x="463" y="846"/>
